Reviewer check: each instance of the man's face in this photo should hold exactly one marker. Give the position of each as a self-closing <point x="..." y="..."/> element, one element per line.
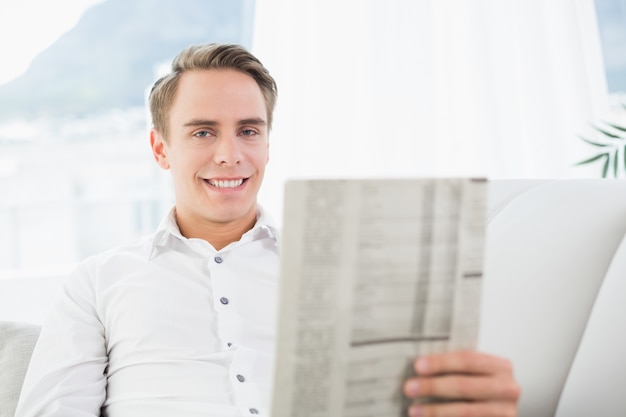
<point x="217" y="147"/>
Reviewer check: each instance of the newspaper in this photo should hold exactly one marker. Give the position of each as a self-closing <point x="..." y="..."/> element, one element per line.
<point x="374" y="273"/>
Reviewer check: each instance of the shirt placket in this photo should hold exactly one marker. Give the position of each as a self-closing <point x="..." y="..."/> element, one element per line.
<point x="225" y="300"/>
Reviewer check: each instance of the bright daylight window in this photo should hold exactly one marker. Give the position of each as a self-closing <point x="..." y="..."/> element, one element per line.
<point x="612" y="26"/>
<point x="76" y="171"/>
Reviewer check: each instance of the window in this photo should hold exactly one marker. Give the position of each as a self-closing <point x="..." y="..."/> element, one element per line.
<point x="76" y="171"/>
<point x="612" y="26"/>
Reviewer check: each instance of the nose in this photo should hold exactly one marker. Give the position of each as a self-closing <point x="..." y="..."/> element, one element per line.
<point x="227" y="151"/>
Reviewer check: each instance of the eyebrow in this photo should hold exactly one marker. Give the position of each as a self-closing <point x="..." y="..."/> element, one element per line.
<point x="256" y="121"/>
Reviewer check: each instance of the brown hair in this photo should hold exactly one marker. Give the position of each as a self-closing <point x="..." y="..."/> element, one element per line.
<point x="208" y="56"/>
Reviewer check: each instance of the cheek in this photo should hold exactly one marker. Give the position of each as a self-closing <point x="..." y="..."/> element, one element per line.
<point x="261" y="156"/>
<point x="185" y="166"/>
<point x="192" y="155"/>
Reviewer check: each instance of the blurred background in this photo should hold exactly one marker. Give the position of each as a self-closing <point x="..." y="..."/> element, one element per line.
<point x="394" y="88"/>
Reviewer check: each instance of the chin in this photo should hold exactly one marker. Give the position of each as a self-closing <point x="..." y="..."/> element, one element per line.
<point x="229" y="215"/>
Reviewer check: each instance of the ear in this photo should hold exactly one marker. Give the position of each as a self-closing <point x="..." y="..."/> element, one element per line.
<point x="159" y="148"/>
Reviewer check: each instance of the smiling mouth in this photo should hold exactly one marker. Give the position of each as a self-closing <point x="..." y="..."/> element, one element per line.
<point x="226" y="183"/>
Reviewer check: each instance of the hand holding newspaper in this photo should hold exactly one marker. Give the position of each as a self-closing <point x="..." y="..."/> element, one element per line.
<point x="374" y="273"/>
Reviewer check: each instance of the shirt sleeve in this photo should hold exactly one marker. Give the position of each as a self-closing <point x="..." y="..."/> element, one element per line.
<point x="66" y="375"/>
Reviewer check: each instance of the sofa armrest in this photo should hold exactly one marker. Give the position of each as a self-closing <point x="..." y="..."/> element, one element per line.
<point x="17" y="341"/>
<point x="551" y="272"/>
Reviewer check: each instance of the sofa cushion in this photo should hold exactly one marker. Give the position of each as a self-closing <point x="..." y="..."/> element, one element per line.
<point x="17" y="341"/>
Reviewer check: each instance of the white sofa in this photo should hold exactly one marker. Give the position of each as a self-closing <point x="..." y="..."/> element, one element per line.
<point x="17" y="340"/>
<point x="555" y="293"/>
<point x="554" y="298"/>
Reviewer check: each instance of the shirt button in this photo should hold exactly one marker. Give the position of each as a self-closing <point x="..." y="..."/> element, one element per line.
<point x="240" y="378"/>
<point x="254" y="411"/>
<point x="218" y="259"/>
<point x="224" y="300"/>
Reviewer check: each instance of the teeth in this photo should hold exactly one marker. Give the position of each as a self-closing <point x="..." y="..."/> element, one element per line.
<point x="226" y="183"/>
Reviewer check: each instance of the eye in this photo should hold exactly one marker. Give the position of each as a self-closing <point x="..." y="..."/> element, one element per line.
<point x="202" y="134"/>
<point x="249" y="132"/>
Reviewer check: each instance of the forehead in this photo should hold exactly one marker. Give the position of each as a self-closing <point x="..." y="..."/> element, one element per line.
<point x="218" y="88"/>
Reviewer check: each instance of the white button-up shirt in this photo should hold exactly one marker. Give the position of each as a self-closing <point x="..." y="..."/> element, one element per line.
<point x="166" y="327"/>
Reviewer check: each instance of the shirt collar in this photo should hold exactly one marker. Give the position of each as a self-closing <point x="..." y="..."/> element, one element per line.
<point x="168" y="229"/>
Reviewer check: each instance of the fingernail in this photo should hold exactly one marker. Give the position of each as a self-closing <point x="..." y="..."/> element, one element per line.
<point x="415" y="411"/>
<point x="422" y="366"/>
<point x="412" y="388"/>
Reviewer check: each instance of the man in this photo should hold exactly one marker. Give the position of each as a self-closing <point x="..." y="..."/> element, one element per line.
<point x="183" y="323"/>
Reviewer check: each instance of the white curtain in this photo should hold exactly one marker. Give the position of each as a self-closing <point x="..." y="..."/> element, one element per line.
<point x="387" y="88"/>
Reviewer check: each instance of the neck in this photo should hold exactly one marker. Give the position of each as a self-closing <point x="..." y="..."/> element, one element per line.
<point x="219" y="235"/>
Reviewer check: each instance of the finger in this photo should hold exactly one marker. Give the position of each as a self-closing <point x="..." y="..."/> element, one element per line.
<point x="468" y="362"/>
<point x="463" y="387"/>
<point x="492" y="409"/>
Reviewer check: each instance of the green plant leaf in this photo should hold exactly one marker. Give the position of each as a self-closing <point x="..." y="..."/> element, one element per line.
<point x="591" y="142"/>
<point x="608" y="139"/>
<point x="607" y="133"/>
<point x="618" y="127"/>
<point x="593" y="158"/>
